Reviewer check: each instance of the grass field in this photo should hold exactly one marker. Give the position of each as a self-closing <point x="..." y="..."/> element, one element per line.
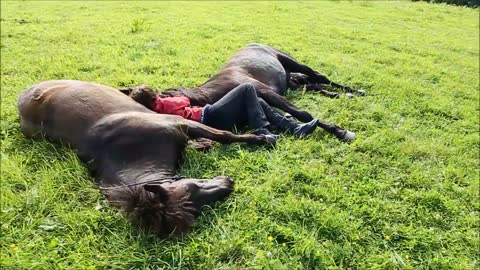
<point x="404" y="195"/>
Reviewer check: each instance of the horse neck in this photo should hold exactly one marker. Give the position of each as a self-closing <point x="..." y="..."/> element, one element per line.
<point x="138" y="172"/>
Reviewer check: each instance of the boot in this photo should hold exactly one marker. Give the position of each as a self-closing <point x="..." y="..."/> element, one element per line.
<point x="289" y="124"/>
<point x="300" y="131"/>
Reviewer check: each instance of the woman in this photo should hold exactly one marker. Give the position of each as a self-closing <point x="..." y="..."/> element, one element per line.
<point x="239" y="107"/>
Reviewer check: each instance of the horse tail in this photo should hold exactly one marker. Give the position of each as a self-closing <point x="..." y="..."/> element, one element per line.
<point x="166" y="216"/>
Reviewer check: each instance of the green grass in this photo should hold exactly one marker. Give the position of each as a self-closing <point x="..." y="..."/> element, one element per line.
<point x="404" y="195"/>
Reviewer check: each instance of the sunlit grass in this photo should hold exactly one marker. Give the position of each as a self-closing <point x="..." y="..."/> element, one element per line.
<point x="404" y="195"/>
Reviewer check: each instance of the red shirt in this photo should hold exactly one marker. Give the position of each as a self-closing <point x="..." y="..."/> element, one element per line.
<point x="179" y="106"/>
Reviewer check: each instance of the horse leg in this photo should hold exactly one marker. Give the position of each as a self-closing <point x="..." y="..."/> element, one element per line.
<point x="297" y="80"/>
<point x="318" y="88"/>
<point x="292" y="65"/>
<point x="275" y="100"/>
<point x="195" y="130"/>
<point x="341" y="133"/>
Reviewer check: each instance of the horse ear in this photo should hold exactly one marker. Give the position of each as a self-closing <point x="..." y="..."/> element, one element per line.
<point x="158" y="190"/>
<point x="126" y="91"/>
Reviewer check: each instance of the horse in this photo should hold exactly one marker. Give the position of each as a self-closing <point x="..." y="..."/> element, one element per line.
<point x="132" y="152"/>
<point x="271" y="72"/>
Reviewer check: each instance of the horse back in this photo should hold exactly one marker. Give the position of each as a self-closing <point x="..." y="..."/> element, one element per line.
<point x="63" y="110"/>
<point x="260" y="62"/>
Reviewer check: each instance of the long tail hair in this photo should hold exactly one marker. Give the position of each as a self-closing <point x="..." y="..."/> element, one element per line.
<point x="168" y="216"/>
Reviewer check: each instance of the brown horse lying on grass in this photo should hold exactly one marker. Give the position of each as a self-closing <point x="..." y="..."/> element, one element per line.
<point x="271" y="72"/>
<point x="132" y="152"/>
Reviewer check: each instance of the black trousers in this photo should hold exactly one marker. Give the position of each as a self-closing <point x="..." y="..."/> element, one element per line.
<point x="276" y="119"/>
<point x="239" y="107"/>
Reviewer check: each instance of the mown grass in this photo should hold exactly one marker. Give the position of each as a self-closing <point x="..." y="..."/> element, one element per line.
<point x="404" y="195"/>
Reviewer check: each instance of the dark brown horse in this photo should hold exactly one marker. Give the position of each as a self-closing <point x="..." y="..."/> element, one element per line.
<point x="132" y="152"/>
<point x="272" y="72"/>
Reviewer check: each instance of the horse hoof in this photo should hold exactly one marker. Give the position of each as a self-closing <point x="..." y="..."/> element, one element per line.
<point x="347" y="136"/>
<point x="361" y="92"/>
<point x="270" y="140"/>
<point x="227" y="181"/>
<point x="349" y="95"/>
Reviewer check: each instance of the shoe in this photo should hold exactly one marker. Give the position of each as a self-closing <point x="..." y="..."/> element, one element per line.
<point x="304" y="130"/>
<point x="290" y="125"/>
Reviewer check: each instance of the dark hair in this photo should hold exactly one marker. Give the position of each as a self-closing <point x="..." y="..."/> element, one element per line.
<point x="144" y="95"/>
<point x="166" y="215"/>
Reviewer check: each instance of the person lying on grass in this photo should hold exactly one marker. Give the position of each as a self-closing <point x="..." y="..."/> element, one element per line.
<point x="239" y="106"/>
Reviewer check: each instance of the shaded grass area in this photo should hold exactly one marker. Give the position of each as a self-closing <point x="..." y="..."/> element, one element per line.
<point x="404" y="195"/>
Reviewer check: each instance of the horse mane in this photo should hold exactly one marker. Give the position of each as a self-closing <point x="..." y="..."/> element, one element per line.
<point x="168" y="217"/>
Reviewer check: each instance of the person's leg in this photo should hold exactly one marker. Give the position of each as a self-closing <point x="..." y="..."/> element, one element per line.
<point x="239" y="104"/>
<point x="282" y="123"/>
<point x="273" y="116"/>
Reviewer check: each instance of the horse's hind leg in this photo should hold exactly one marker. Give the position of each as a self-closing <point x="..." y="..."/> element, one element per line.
<point x="292" y="65"/>
<point x="195" y="130"/>
<point x="341" y="133"/>
<point x="299" y="80"/>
